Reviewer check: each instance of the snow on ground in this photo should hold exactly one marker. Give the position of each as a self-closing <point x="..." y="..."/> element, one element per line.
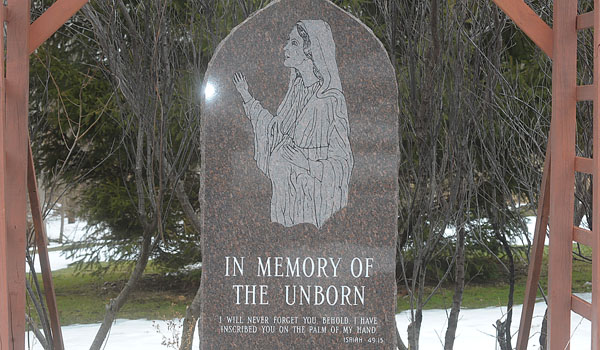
<point x="76" y="231"/>
<point x="58" y="260"/>
<point x="530" y="222"/>
<point x="475" y="328"/>
<point x="71" y="232"/>
<point x="475" y="331"/>
<point x="531" y="229"/>
<point x="124" y="335"/>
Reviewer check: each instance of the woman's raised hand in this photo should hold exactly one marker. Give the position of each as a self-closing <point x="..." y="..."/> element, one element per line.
<point x="239" y="80"/>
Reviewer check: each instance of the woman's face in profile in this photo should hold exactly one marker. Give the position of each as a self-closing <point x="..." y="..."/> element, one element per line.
<point x="294" y="50"/>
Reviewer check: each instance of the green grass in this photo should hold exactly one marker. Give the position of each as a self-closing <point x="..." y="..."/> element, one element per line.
<point x="81" y="297"/>
<point x="479" y="295"/>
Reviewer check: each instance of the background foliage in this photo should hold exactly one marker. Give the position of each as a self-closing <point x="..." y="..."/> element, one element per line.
<point x="474" y="118"/>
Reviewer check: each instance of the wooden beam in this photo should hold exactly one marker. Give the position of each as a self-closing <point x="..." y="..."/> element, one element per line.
<point x="42" y="244"/>
<point x="583" y="236"/>
<point x="584" y="165"/>
<point x="562" y="182"/>
<point x="585" y="21"/>
<point x="585" y="92"/>
<point x="49" y="22"/>
<point x="529" y="22"/>
<point x="535" y="257"/>
<point x="16" y="141"/>
<point x="595" y="186"/>
<point x="581" y="307"/>
<point x="5" y="320"/>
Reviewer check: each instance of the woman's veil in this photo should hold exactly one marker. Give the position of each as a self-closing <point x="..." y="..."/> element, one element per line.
<point x="323" y="53"/>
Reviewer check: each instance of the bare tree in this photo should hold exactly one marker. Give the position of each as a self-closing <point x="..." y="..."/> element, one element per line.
<point x="471" y="143"/>
<point x="60" y="130"/>
<point x="472" y="129"/>
<point x="153" y="63"/>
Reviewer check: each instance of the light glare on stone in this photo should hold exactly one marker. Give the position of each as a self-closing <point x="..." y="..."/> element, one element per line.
<point x="209" y="91"/>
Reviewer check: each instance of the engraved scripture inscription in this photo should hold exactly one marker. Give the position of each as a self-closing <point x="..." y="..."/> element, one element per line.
<point x="304" y="147"/>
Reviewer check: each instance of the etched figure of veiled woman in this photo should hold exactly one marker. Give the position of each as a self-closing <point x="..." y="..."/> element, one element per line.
<point x="304" y="148"/>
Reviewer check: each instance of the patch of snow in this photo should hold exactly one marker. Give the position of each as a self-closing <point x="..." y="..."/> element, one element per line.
<point x="71" y="232"/>
<point x="476" y="330"/>
<point x="58" y="260"/>
<point x="74" y="232"/>
<point x="531" y="225"/>
<point x="531" y="220"/>
<point x="61" y="259"/>
<point x="518" y="240"/>
<point x="190" y="267"/>
<point x="124" y="335"/>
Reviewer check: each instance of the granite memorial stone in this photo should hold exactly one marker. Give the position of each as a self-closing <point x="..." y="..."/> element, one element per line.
<point x="300" y="163"/>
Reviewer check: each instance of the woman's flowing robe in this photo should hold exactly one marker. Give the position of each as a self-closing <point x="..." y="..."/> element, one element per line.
<point x="310" y="121"/>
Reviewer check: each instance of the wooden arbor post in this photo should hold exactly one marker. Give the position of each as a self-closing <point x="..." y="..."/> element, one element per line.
<point x="557" y="191"/>
<point x="14" y="175"/>
<point x="22" y="38"/>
